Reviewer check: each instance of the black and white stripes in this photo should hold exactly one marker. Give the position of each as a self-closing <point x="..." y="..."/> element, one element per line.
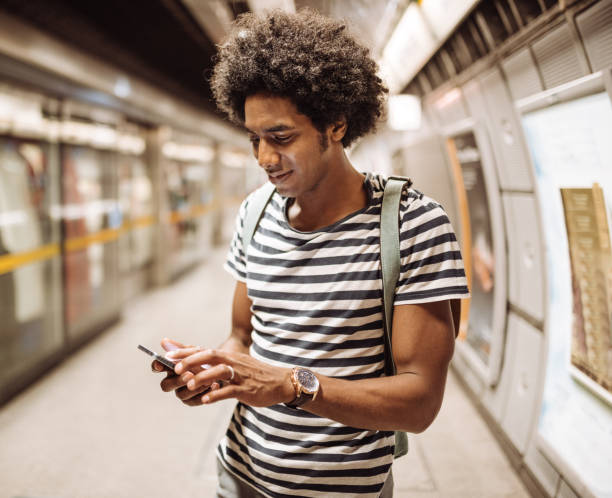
<point x="317" y="302"/>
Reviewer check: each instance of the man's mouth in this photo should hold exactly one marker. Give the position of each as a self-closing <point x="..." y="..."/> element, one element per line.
<point x="279" y="178"/>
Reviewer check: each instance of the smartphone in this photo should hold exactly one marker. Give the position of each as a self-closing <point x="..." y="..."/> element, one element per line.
<point x="168" y="363"/>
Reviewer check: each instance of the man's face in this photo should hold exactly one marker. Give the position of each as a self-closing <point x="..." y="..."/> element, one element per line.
<point x="286" y="144"/>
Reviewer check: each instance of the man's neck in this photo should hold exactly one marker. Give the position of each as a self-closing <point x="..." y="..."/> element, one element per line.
<point x="338" y="195"/>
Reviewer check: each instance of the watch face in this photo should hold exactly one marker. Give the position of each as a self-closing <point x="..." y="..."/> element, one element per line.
<point x="307" y="380"/>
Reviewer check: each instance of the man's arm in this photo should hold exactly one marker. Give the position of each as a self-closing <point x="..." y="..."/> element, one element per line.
<point x="239" y="339"/>
<point x="423" y="344"/>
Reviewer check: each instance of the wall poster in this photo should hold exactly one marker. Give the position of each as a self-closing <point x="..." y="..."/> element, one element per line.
<point x="571" y="147"/>
<point x="586" y="220"/>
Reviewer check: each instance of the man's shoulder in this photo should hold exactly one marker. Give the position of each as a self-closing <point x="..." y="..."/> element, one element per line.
<point x="411" y="198"/>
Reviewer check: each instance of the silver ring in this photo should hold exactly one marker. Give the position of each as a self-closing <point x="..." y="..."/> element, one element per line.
<point x="232" y="372"/>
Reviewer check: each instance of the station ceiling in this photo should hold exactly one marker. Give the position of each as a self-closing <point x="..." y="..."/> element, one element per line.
<point x="169" y="43"/>
<point x="156" y="40"/>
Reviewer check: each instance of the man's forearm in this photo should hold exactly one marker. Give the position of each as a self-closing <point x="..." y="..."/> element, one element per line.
<point x="402" y="402"/>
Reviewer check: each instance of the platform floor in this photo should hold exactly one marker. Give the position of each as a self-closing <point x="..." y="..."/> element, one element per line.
<point x="99" y="426"/>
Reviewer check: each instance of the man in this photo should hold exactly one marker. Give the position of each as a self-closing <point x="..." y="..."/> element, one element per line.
<point x="305" y="356"/>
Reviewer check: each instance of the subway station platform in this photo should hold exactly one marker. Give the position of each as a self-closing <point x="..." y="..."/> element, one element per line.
<point x="99" y="426"/>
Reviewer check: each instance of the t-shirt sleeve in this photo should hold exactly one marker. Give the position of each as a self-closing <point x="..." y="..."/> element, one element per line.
<point x="431" y="264"/>
<point x="235" y="262"/>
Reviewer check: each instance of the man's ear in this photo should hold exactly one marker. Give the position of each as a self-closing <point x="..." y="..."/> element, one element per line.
<point x="337" y="130"/>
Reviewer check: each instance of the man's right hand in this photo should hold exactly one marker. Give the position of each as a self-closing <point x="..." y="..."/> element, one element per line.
<point x="176" y="383"/>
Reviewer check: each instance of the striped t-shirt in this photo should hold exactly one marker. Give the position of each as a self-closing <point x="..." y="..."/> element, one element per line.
<point x="317" y="303"/>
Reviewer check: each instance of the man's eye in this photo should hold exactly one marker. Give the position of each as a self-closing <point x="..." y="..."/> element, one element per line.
<point x="282" y="139"/>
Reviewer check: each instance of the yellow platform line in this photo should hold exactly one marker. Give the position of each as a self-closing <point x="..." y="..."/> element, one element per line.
<point x="193" y="212"/>
<point x="108" y="235"/>
<point x="10" y="262"/>
<point x="143" y="221"/>
<point x="101" y="237"/>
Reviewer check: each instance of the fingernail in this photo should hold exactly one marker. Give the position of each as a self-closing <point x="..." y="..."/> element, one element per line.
<point x="170" y="354"/>
<point x="178" y="368"/>
<point x="205" y="399"/>
<point x="185" y="377"/>
<point x="191" y="384"/>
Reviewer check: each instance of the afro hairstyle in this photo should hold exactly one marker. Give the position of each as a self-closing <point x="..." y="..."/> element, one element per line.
<point x="306" y="57"/>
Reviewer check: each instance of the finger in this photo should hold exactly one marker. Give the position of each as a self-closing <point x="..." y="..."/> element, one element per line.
<point x="171" y="344"/>
<point x="178" y="354"/>
<point x="195" y="401"/>
<point x="172" y="382"/>
<point x="208" y="376"/>
<point x="226" y="392"/>
<point x="205" y="357"/>
<point x="185" y="394"/>
<point x="156" y="366"/>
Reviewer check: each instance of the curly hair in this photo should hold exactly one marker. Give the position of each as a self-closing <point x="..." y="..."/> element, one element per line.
<point x="306" y="57"/>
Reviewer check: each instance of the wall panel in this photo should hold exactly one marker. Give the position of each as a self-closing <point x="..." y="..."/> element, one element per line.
<point x="558" y="57"/>
<point x="595" y="26"/>
<point x="522" y="74"/>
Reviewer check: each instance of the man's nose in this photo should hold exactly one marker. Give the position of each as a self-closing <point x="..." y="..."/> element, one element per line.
<point x="267" y="155"/>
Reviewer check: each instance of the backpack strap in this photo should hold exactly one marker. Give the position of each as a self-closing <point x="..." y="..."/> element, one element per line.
<point x="254" y="211"/>
<point x="390" y="257"/>
<point x="390" y="263"/>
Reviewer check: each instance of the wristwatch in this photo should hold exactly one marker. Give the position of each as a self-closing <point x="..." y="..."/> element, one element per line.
<point x="306" y="386"/>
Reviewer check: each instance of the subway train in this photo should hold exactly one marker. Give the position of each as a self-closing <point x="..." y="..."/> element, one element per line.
<point x="98" y="202"/>
<point x="105" y="192"/>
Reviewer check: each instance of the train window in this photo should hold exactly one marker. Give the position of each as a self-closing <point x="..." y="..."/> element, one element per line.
<point x="189" y="193"/>
<point x="30" y="277"/>
<point x="92" y="218"/>
<point x="136" y="200"/>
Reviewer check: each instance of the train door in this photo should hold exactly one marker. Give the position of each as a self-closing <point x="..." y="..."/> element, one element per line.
<point x="187" y="201"/>
<point x="136" y="198"/>
<point x="92" y="219"/>
<point x="30" y="270"/>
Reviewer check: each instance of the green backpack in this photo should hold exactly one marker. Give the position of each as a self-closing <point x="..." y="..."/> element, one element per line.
<point x="389" y="258"/>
